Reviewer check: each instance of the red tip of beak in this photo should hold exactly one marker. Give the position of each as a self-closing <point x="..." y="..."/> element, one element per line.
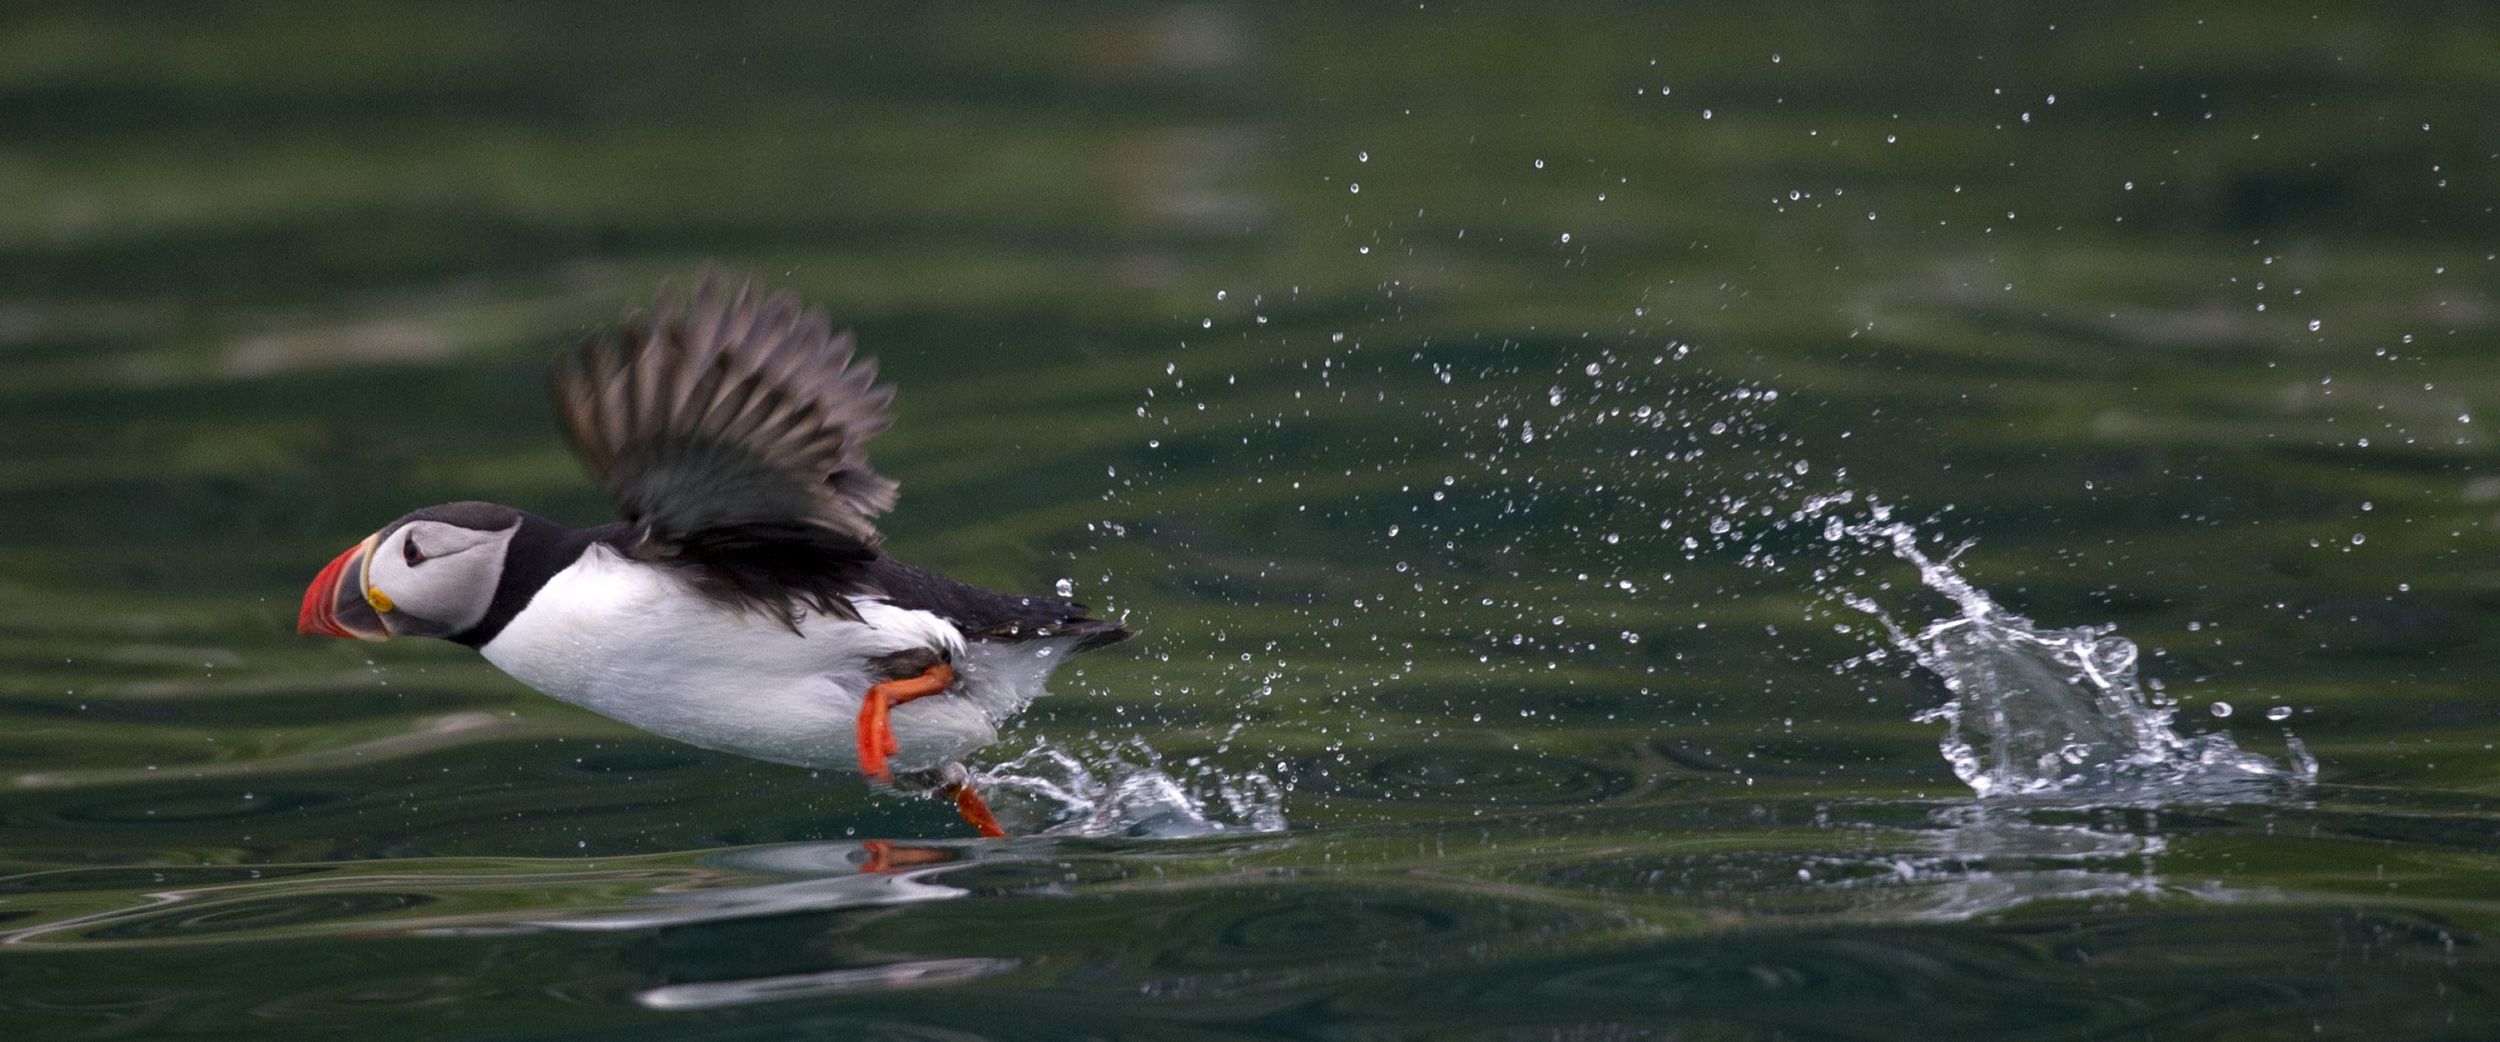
<point x="334" y="605"/>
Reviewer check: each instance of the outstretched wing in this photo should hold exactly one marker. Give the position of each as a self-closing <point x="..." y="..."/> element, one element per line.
<point x="729" y="431"/>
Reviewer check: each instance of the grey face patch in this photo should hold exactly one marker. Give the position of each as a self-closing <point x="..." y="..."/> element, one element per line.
<point x="439" y="578"/>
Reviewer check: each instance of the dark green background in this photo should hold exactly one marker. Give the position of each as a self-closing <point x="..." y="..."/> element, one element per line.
<point x="2183" y="312"/>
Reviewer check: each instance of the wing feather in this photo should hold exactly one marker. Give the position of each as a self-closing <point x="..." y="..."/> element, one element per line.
<point x="730" y="432"/>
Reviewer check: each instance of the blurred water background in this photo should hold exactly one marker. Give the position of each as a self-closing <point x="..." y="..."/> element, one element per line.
<point x="1694" y="521"/>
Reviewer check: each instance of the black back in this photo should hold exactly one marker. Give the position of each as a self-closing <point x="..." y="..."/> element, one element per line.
<point x="776" y="578"/>
<point x="988" y="614"/>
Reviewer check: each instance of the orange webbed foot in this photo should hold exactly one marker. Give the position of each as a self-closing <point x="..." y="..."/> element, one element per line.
<point x="876" y="725"/>
<point x="977" y="811"/>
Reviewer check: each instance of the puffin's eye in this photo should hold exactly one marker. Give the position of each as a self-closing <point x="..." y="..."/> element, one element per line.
<point x="408" y="551"/>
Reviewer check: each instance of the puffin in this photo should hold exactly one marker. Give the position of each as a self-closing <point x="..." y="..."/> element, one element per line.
<point x="742" y="602"/>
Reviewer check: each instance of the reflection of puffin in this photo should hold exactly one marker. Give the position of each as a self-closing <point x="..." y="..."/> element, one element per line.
<point x="743" y="604"/>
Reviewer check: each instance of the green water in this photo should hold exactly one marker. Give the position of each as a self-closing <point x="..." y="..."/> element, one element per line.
<point x="2182" y="315"/>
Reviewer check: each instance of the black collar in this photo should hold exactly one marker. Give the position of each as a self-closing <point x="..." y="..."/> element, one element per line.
<point x="538" y="551"/>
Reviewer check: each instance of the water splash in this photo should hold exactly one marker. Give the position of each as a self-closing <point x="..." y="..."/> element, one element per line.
<point x="1676" y="474"/>
<point x="1133" y="794"/>
<point x="2050" y="712"/>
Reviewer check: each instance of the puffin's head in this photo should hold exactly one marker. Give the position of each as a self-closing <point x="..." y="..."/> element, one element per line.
<point x="433" y="573"/>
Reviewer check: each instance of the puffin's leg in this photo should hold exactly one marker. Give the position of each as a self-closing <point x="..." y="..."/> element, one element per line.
<point x="876" y="730"/>
<point x="975" y="810"/>
<point x="953" y="780"/>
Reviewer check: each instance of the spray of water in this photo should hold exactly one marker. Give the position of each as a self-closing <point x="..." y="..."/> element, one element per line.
<point x="1133" y="792"/>
<point x="1535" y="493"/>
<point x="2037" y="711"/>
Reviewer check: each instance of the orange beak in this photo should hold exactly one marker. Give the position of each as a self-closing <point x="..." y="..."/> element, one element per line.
<point x="335" y="603"/>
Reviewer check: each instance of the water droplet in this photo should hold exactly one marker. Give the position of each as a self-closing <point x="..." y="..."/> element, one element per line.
<point x="2219" y="708"/>
<point x="1066" y="587"/>
<point x="2279" y="713"/>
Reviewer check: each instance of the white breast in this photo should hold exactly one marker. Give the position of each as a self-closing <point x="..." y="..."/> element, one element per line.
<point x="632" y="642"/>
